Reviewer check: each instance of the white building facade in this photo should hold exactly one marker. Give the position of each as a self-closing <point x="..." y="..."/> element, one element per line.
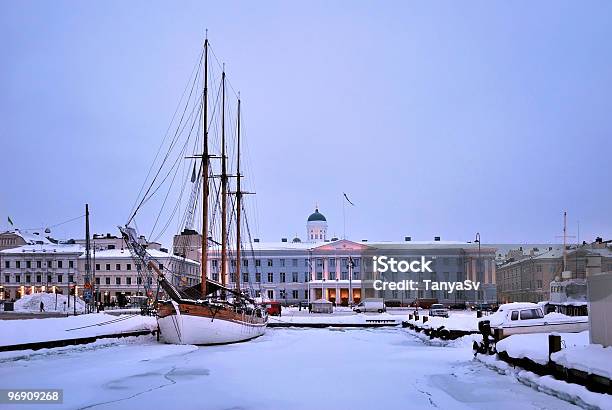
<point x="341" y="271"/>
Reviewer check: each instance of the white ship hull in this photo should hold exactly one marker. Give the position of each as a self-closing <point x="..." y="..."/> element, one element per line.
<point x="180" y="328"/>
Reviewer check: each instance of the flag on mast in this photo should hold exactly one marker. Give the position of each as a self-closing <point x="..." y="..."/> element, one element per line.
<point x="347" y="198"/>
<point x="10" y="220"/>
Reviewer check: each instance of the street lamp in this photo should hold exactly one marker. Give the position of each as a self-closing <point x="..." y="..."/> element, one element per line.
<point x="478" y="262"/>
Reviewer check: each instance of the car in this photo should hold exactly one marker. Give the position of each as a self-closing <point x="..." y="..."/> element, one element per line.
<point x="438" y="309"/>
<point x="370" y="305"/>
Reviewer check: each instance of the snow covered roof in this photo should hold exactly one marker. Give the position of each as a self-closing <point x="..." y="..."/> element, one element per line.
<point x="124" y="253"/>
<point x="303" y="246"/>
<point x="45" y="248"/>
<point x="31" y="237"/>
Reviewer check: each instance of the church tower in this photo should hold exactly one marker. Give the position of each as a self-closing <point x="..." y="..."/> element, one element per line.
<point x="316" y="227"/>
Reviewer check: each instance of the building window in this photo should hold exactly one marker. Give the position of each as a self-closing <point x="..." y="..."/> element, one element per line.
<point x="18" y="264"/>
<point x="38" y="278"/>
<point x="71" y="264"/>
<point x="49" y="264"/>
<point x="139" y="280"/>
<point x="108" y="266"/>
<point x="28" y="278"/>
<point x="117" y="266"/>
<point x="270" y="277"/>
<point x="270" y="262"/>
<point x="245" y="263"/>
<point x="17" y="278"/>
<point x="39" y="264"/>
<point x="60" y="264"/>
<point x="108" y="280"/>
<point x="97" y="266"/>
<point x="306" y="277"/>
<point x="270" y="293"/>
<point x="161" y="266"/>
<point x="216" y="276"/>
<point x="60" y="278"/>
<point x="319" y="275"/>
<point x="257" y="277"/>
<point x="128" y="280"/>
<point x="257" y="262"/>
<point x="49" y="279"/>
<point x="294" y="294"/>
<point x="138" y="267"/>
<point x="332" y="275"/>
<point x="71" y="278"/>
<point x="97" y="281"/>
<point x="7" y="264"/>
<point x="294" y="277"/>
<point x="306" y="294"/>
<point x="245" y="277"/>
<point x="282" y="277"/>
<point x="7" y="278"/>
<point x="28" y="264"/>
<point x="232" y="277"/>
<point x="118" y="280"/>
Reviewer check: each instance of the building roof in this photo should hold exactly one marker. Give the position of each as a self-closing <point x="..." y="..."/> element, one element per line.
<point x="316" y="216"/>
<point x="125" y="253"/>
<point x="45" y="248"/>
<point x="30" y="237"/>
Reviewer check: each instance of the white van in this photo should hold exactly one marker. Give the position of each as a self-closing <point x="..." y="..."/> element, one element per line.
<point x="371" y="305"/>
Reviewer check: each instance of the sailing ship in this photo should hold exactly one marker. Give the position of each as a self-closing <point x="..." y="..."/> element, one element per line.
<point x="209" y="312"/>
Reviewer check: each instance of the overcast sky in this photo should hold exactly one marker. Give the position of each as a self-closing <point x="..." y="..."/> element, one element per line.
<point x="436" y="119"/>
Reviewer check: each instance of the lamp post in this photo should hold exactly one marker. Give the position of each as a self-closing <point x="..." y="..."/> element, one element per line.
<point x="478" y="262"/>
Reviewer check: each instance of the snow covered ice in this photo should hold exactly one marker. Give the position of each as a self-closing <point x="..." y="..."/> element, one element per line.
<point x="284" y="369"/>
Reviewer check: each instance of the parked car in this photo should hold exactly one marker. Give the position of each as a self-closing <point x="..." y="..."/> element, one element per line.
<point x="370" y="305"/>
<point x="273" y="308"/>
<point x="438" y="309"/>
<point x="423" y="303"/>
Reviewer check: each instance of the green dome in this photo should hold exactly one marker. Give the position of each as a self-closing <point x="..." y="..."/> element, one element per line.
<point x="316" y="216"/>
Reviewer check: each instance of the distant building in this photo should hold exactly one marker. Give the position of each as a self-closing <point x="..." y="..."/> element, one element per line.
<point x="318" y="268"/>
<point x="188" y="244"/>
<point x="117" y="275"/>
<point x="529" y="278"/>
<point x="16" y="237"/>
<point x="39" y="268"/>
<point x="43" y="266"/>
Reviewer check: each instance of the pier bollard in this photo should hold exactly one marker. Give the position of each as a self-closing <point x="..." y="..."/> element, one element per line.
<point x="554" y="344"/>
<point x="409" y="317"/>
<point x="425" y="319"/>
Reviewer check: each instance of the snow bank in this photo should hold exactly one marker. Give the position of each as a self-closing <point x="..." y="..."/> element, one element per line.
<point x="342" y="319"/>
<point x="593" y="358"/>
<point x="14" y="332"/>
<point x="31" y="303"/>
<point x="573" y="393"/>
<point x="534" y="346"/>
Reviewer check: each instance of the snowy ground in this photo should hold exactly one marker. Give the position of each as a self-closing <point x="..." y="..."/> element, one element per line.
<point x="284" y="369"/>
<point x="14" y="332"/>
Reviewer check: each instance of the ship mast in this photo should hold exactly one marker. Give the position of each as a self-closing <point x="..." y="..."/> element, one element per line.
<point x="223" y="187"/>
<point x="238" y="204"/>
<point x="205" y="169"/>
